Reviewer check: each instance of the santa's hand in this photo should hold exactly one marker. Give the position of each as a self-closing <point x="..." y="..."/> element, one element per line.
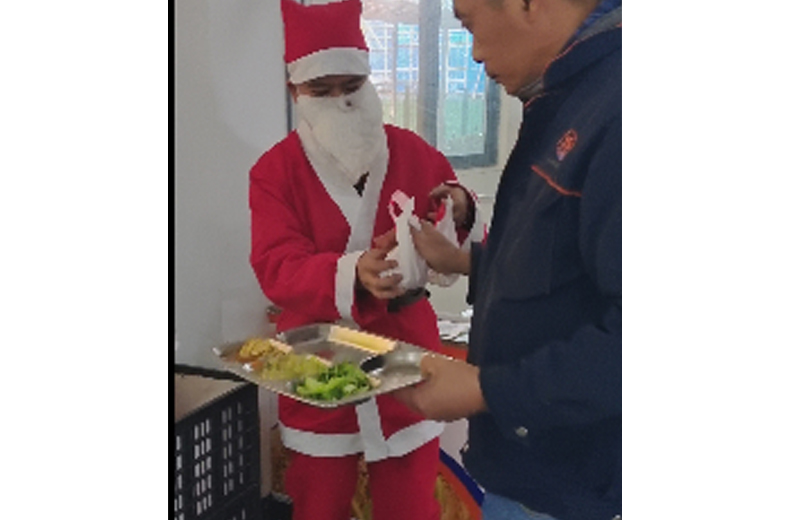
<point x="369" y="268"/>
<point x="441" y="255"/>
<point x="451" y="390"/>
<point x="460" y="202"/>
<point x="387" y="241"/>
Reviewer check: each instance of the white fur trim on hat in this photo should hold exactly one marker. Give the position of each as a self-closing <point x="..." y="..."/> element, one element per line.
<point x="327" y="62"/>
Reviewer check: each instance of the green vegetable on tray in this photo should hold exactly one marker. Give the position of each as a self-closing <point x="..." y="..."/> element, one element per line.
<point x="335" y="383"/>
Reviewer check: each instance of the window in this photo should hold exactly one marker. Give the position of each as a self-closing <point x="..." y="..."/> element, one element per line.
<point x="422" y="67"/>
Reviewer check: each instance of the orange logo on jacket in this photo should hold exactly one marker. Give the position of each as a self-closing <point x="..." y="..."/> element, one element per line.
<point x="566" y="143"/>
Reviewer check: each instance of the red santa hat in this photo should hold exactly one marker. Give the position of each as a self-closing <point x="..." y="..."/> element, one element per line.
<point x="323" y="39"/>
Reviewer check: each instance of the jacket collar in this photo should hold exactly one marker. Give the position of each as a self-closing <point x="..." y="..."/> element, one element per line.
<point x="593" y="41"/>
<point x="605" y="8"/>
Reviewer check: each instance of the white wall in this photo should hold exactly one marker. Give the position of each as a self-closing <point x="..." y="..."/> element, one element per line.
<point x="230" y="107"/>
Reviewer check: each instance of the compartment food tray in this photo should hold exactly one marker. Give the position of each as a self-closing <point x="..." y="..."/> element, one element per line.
<point x="392" y="364"/>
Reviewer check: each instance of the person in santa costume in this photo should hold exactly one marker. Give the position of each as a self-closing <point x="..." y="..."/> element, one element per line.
<point x="319" y="200"/>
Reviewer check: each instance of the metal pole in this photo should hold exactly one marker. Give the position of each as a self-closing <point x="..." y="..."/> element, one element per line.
<point x="428" y="85"/>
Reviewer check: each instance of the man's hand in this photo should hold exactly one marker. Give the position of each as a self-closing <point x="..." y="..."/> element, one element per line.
<point x="460" y="202"/>
<point x="440" y="254"/>
<point x="369" y="268"/>
<point x="451" y="390"/>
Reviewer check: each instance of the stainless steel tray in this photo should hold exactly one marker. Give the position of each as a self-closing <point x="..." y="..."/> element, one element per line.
<point x="397" y="368"/>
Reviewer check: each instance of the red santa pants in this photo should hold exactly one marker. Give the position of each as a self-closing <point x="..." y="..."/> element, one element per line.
<point x="401" y="488"/>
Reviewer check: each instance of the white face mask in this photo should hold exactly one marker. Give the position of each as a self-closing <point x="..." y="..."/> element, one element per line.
<point x="349" y="128"/>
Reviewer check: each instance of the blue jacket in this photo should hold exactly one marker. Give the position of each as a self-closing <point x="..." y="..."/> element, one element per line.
<point x="546" y="288"/>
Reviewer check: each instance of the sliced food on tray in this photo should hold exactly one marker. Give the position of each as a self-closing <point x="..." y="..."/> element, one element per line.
<point x="361" y="340"/>
<point x="292" y="366"/>
<point x="255" y="348"/>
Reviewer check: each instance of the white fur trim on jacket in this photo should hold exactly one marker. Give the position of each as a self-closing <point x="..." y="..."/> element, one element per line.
<point x="339" y="60"/>
<point x="345" y="283"/>
<point x="369" y="440"/>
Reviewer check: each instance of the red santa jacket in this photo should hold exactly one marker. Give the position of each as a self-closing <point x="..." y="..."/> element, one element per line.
<point x="309" y="227"/>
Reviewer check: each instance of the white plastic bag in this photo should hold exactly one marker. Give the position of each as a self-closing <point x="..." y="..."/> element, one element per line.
<point x="411" y="265"/>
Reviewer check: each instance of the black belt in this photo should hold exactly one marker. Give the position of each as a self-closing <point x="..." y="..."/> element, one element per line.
<point x="407" y="298"/>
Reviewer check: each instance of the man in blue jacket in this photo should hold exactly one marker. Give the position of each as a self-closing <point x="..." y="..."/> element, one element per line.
<point x="542" y="388"/>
